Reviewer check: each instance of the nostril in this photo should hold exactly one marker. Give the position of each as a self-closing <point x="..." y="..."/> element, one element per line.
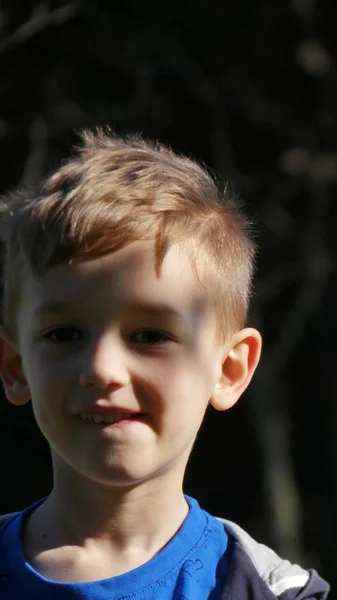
<point x="101" y="381"/>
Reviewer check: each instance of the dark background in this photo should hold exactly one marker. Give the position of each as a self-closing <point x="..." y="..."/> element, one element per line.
<point x="250" y="88"/>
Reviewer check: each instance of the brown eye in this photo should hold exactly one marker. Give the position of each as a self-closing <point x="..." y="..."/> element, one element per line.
<point x="151" y="337"/>
<point x="64" y="335"/>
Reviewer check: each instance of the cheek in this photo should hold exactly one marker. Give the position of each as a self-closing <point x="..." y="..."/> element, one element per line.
<point x="178" y="387"/>
<point x="49" y="370"/>
<point x="48" y="383"/>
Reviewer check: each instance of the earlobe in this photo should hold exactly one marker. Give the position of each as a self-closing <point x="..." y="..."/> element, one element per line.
<point x="11" y="372"/>
<point x="18" y="393"/>
<point x="239" y="363"/>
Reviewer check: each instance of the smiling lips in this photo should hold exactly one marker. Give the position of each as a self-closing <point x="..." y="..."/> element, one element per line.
<point x="112" y="418"/>
<point x="104" y="414"/>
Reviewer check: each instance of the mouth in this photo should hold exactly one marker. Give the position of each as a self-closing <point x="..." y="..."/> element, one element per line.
<point x="112" y="419"/>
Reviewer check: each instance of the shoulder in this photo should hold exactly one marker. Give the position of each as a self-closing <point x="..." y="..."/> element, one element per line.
<point x="4" y="521"/>
<point x="262" y="566"/>
<point x="5" y="518"/>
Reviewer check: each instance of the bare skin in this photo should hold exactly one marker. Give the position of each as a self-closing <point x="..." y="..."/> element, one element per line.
<point x="118" y="539"/>
<point x="109" y="344"/>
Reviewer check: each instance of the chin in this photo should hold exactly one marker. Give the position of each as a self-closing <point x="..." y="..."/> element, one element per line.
<point x="120" y="477"/>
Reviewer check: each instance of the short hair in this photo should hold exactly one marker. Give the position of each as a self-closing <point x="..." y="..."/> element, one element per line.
<point x="114" y="190"/>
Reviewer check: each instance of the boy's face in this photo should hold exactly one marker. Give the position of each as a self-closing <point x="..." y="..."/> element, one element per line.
<point x="108" y="337"/>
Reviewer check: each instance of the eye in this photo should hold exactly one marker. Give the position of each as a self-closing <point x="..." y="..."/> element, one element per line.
<point x="63" y="335"/>
<point x="151" y="337"/>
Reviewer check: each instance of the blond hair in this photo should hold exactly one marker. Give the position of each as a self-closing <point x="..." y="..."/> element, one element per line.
<point x="115" y="190"/>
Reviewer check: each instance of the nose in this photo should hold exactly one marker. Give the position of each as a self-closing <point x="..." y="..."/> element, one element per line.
<point x="105" y="364"/>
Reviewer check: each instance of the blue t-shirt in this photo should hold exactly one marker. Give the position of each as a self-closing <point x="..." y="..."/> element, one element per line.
<point x="192" y="566"/>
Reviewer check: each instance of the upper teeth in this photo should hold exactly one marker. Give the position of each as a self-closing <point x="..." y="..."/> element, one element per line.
<point x="105" y="419"/>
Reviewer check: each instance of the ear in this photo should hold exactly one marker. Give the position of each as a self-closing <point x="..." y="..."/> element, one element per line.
<point x="240" y="360"/>
<point x="11" y="372"/>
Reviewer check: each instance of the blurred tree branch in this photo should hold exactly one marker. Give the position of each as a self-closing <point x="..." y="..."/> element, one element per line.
<point x="41" y="18"/>
<point x="35" y="163"/>
<point x="269" y="414"/>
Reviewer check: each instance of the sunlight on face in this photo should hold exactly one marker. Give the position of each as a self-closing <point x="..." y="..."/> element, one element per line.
<point x="109" y="334"/>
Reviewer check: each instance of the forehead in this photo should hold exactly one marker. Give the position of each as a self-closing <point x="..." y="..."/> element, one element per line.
<point x="115" y="280"/>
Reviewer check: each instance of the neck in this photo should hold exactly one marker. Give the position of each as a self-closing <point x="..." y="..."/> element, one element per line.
<point x="143" y="517"/>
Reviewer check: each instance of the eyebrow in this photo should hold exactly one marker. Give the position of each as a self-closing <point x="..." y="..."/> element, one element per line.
<point x="157" y="310"/>
<point x="50" y="307"/>
<point x="152" y="310"/>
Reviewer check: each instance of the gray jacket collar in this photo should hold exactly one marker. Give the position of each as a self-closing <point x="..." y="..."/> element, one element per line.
<point x="257" y="572"/>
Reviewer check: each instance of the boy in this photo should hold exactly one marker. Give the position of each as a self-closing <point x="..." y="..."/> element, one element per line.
<point x="126" y="286"/>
